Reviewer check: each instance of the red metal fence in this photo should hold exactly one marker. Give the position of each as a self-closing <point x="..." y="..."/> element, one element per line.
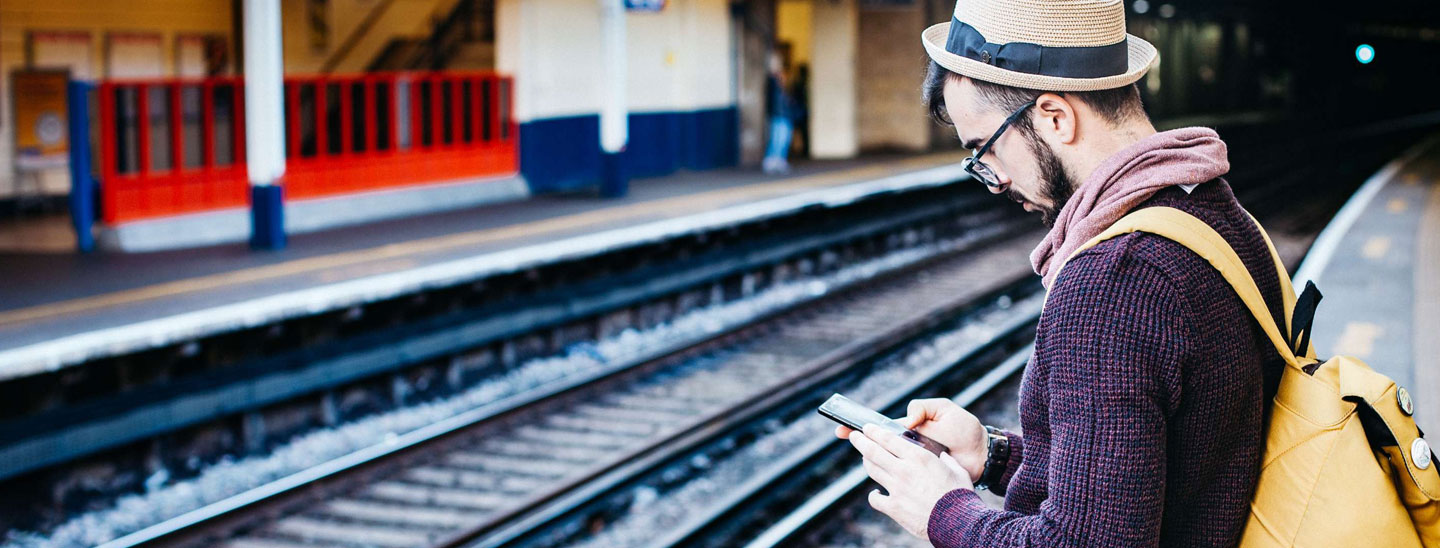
<point x="178" y="146"/>
<point x="171" y="146"/>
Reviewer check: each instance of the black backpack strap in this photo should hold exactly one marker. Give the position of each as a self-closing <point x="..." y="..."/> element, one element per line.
<point x="1304" y="317"/>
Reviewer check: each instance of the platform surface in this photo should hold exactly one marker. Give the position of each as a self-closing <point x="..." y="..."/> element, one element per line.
<point x="58" y="309"/>
<point x="1378" y="266"/>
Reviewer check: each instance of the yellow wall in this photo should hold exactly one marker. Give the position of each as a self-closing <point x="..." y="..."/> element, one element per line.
<point x="169" y="18"/>
<point x="18" y="18"/>
<point x="793" y="19"/>
<point x="173" y="18"/>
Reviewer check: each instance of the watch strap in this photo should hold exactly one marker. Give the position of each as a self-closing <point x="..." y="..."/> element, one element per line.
<point x="997" y="458"/>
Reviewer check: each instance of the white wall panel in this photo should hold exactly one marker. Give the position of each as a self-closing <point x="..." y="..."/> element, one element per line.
<point x="712" y="59"/>
<point x="680" y="59"/>
<point x="552" y="47"/>
<point x="654" y="58"/>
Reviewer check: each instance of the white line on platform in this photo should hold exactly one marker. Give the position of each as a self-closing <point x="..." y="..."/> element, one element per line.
<point x="70" y="350"/>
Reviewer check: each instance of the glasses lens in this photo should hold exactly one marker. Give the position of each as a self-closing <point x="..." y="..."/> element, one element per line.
<point x="984" y="173"/>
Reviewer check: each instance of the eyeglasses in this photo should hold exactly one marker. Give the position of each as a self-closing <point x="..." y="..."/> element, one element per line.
<point x="978" y="169"/>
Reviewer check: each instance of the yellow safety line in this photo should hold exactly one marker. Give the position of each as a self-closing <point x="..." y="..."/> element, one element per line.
<point x="1376" y="247"/>
<point x="1358" y="339"/>
<point x="688" y="203"/>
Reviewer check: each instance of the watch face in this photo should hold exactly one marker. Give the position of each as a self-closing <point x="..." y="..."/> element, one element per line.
<point x="1000" y="444"/>
<point x="994" y="435"/>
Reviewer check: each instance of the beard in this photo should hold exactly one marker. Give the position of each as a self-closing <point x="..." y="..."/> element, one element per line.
<point x="1057" y="186"/>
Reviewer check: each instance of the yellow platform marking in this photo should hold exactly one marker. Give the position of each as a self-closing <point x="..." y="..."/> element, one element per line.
<point x="1397" y="205"/>
<point x="1358" y="339"/>
<point x="1376" y="247"/>
<point x="670" y="206"/>
<point x="367" y="269"/>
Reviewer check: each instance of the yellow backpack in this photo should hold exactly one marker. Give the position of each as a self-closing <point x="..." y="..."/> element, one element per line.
<point x="1344" y="463"/>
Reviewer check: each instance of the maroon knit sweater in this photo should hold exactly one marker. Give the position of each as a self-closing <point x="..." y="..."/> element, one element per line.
<point x="1142" y="406"/>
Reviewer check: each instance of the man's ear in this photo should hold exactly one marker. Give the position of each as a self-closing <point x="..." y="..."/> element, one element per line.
<point x="1055" y="117"/>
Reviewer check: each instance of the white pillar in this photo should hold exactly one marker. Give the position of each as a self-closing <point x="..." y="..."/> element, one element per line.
<point x="264" y="92"/>
<point x="614" y="116"/>
<point x="833" y="82"/>
<point x="614" y="129"/>
<point x="264" y="117"/>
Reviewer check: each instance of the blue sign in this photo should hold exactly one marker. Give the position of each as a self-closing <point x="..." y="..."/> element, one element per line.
<point x="645" y="5"/>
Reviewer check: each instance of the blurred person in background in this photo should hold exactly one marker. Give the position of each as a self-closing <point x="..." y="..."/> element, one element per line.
<point x="779" y="109"/>
<point x="800" y="94"/>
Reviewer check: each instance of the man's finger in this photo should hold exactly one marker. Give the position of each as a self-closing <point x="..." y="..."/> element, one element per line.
<point x="871" y="450"/>
<point x="917" y="413"/>
<point x="913" y="420"/>
<point x="843" y="432"/>
<point x="880" y="502"/>
<point x="930" y="408"/>
<point x="879" y="474"/>
<point x="953" y="465"/>
<point x="892" y="443"/>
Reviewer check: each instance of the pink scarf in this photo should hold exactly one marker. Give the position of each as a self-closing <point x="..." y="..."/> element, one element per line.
<point x="1182" y="156"/>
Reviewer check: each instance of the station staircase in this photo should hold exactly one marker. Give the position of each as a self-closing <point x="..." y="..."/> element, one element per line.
<point x="418" y="35"/>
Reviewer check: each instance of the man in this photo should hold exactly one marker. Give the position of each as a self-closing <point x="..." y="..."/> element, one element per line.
<point x="1142" y="407"/>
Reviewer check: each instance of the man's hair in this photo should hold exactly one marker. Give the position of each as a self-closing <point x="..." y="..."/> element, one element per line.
<point x="1115" y="106"/>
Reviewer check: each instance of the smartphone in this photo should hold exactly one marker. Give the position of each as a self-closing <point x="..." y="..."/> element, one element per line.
<point x="855" y="416"/>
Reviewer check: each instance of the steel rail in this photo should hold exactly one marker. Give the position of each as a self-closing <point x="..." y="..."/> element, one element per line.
<point x="755" y="494"/>
<point x="827" y="370"/>
<point x="849" y="485"/>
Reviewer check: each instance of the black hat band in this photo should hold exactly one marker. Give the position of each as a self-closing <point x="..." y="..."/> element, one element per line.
<point x="1065" y="62"/>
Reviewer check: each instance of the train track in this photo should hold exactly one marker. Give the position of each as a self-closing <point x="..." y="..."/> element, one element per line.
<point x="479" y="473"/>
<point x="839" y="494"/>
<point x="705" y="474"/>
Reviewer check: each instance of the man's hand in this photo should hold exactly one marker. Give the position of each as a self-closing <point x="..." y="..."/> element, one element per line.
<point x="944" y="421"/>
<point x="913" y="476"/>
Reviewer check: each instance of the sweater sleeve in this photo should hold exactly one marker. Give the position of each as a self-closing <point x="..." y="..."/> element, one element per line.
<point x="1112" y="348"/>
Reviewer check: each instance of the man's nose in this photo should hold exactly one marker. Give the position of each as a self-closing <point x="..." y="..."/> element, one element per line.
<point x="1003" y="179"/>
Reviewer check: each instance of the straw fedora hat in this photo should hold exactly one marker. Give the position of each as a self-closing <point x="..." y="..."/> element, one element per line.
<point x="1050" y="45"/>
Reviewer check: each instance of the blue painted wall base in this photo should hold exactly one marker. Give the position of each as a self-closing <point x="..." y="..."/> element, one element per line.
<point x="614" y="179"/>
<point x="559" y="154"/>
<point x="267" y="217"/>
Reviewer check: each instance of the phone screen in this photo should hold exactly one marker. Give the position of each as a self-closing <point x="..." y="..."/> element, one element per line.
<point x="855" y="416"/>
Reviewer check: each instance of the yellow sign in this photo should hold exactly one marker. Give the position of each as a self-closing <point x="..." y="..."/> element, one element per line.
<point x="41" y="122"/>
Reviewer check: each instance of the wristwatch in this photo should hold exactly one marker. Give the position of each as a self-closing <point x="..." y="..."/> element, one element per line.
<point x="997" y="458"/>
